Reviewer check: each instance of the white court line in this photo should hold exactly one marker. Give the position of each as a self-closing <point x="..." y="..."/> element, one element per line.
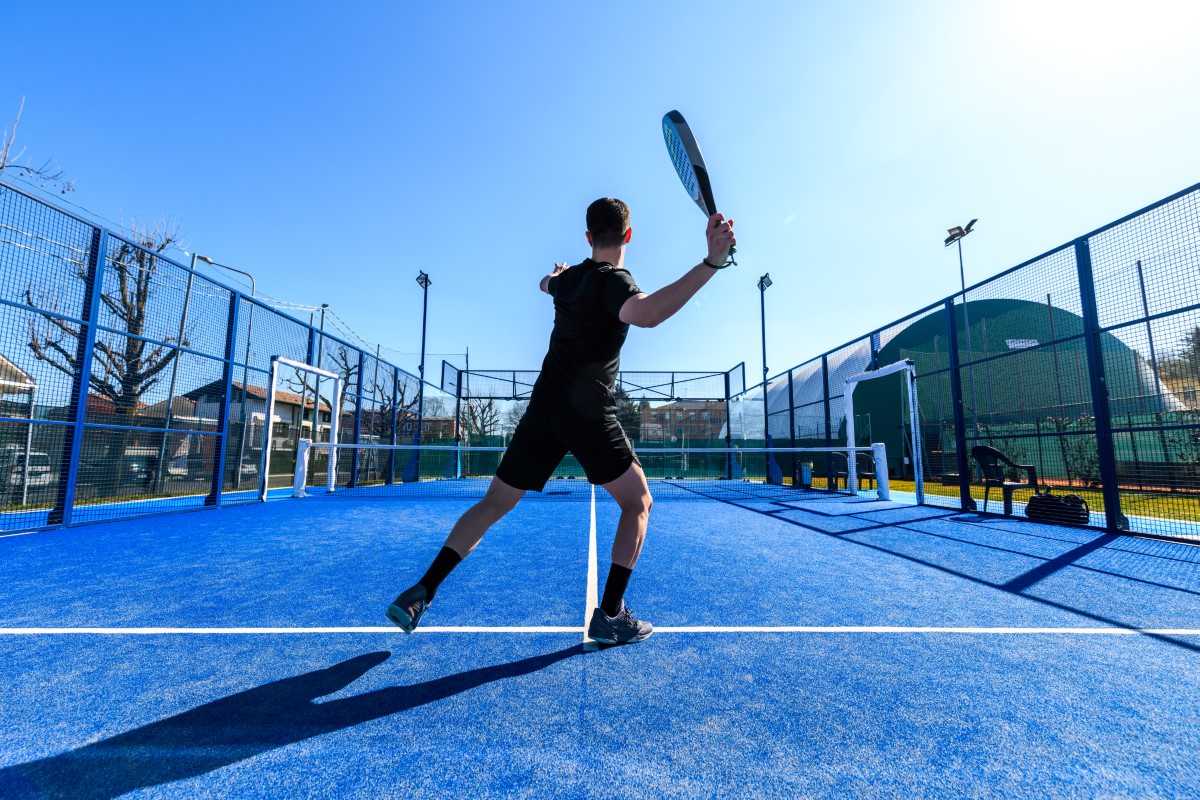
<point x="593" y="593"/>
<point x="391" y="630"/>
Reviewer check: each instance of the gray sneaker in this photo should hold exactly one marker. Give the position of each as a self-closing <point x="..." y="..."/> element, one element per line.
<point x="407" y="609"/>
<point x="624" y="628"/>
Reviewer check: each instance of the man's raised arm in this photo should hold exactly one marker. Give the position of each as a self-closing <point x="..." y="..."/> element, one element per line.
<point x="648" y="310"/>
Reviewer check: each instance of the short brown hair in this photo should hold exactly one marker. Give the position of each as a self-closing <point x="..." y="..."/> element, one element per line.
<point x="607" y="221"/>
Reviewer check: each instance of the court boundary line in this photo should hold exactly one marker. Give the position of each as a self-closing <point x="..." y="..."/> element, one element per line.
<point x="812" y="629"/>
<point x="592" y="598"/>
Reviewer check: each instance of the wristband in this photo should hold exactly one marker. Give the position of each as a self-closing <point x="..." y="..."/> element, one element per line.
<point x="714" y="266"/>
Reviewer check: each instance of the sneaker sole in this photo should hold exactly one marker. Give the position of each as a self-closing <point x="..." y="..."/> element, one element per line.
<point x="627" y="641"/>
<point x="400" y="618"/>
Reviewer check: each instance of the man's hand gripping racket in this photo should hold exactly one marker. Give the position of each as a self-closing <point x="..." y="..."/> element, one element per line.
<point x="689" y="165"/>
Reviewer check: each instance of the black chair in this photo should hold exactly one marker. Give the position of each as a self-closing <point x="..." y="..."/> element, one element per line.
<point x="994" y="466"/>
<point x="864" y="465"/>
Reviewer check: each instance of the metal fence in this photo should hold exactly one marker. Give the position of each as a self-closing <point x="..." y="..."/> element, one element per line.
<point x="656" y="409"/>
<point x="1083" y="363"/>
<point x="131" y="384"/>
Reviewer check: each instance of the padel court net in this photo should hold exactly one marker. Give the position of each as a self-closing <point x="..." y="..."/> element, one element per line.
<point x="412" y="471"/>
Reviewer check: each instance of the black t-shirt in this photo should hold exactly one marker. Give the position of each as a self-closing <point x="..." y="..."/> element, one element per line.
<point x="585" y="345"/>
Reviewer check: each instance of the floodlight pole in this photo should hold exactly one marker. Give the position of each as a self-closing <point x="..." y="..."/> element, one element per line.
<point x="763" y="283"/>
<point x="245" y="361"/>
<point x="423" y="281"/>
<point x="957" y="234"/>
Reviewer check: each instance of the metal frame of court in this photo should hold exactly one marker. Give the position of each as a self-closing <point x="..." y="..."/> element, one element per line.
<point x="1124" y="425"/>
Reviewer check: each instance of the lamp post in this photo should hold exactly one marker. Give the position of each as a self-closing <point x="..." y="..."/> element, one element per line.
<point x="956" y="235"/>
<point x="422" y="281"/>
<point x="763" y="283"/>
<point x="245" y="360"/>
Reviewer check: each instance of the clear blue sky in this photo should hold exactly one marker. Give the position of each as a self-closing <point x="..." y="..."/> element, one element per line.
<point x="334" y="150"/>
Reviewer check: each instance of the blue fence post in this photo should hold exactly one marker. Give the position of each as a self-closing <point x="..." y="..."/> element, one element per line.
<point x="792" y="426"/>
<point x="1115" y="521"/>
<point x="64" y="502"/>
<point x="829" y="481"/>
<point x="966" y="502"/>
<point x="728" y="431"/>
<point x="391" y="456"/>
<point x="218" y="476"/>
<point x="358" y="403"/>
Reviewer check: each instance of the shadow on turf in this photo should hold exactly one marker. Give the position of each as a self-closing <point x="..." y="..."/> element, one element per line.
<point x="1082" y="542"/>
<point x="241" y="726"/>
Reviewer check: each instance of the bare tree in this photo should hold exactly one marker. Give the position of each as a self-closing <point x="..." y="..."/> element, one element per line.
<point x="480" y="417"/>
<point x="346" y="365"/>
<point x="48" y="173"/>
<point x="516" y="410"/>
<point x="435" y="407"/>
<point x="124" y="367"/>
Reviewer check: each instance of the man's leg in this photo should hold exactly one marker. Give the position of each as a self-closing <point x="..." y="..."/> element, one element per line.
<point x="472" y="525"/>
<point x="407" y="609"/>
<point x="633" y="497"/>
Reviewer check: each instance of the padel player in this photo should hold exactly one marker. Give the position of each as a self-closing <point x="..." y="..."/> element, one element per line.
<point x="572" y="409"/>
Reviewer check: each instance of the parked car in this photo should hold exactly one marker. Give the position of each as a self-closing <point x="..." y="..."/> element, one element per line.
<point x="138" y="469"/>
<point x="13" y="465"/>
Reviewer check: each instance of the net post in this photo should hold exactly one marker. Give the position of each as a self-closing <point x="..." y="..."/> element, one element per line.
<point x="879" y="451"/>
<point x="300" y="478"/>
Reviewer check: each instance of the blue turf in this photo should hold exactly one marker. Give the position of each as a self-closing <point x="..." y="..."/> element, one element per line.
<point x="294" y="564"/>
<point x="710" y="715"/>
<point x="844" y="714"/>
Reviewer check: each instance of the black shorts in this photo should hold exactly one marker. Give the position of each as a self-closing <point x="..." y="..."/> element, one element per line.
<point x="544" y="436"/>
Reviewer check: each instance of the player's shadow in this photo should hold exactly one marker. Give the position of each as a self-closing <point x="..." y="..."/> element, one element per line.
<point x="241" y="726"/>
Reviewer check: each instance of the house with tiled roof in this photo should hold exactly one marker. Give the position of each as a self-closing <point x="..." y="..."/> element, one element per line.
<point x="293" y="413"/>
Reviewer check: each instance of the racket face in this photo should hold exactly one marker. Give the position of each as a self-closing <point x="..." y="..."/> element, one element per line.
<point x="688" y="162"/>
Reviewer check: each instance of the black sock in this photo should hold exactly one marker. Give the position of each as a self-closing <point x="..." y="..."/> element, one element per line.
<point x="442" y="565"/>
<point x="614" y="589"/>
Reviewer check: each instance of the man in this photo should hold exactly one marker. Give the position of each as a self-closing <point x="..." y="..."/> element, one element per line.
<point x="572" y="408"/>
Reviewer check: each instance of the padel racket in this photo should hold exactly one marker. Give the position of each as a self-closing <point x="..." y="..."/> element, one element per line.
<point x="689" y="164"/>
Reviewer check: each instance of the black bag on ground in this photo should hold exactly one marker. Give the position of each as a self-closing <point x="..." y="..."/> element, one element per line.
<point x="1064" y="509"/>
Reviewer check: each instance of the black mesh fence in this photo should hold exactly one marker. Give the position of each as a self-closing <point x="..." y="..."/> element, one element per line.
<point x="132" y="384"/>
<point x="1082" y="365"/>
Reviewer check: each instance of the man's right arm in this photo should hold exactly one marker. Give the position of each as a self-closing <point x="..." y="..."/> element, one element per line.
<point x="648" y="310"/>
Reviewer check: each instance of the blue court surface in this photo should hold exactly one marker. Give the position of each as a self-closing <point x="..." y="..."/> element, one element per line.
<point x="806" y="646"/>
